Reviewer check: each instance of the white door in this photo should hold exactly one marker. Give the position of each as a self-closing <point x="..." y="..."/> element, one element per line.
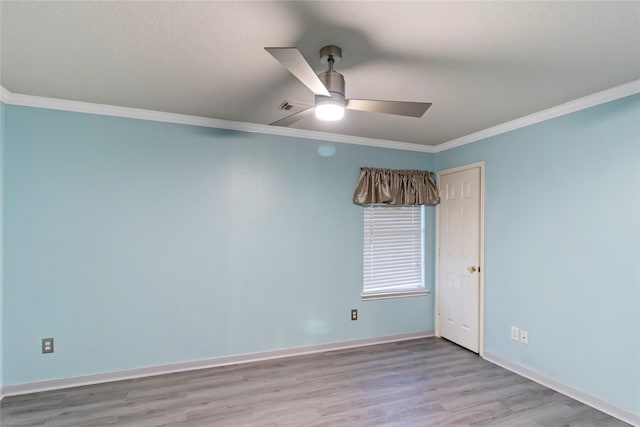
<point x="459" y="261"/>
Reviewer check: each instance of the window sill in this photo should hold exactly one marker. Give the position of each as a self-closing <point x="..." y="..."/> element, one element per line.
<point x="384" y="295"/>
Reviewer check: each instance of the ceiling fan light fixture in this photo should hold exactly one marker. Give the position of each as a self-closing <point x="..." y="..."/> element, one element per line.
<point x="330" y="108"/>
<point x="330" y="112"/>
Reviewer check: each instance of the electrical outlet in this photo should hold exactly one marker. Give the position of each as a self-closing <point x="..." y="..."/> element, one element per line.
<point x="354" y="314"/>
<point x="524" y="337"/>
<point x="47" y="345"/>
<point x="515" y="333"/>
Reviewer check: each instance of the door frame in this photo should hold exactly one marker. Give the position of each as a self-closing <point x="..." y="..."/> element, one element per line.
<point x="480" y="165"/>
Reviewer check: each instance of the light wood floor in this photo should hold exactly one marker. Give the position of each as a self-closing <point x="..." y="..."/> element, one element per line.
<point x="426" y="382"/>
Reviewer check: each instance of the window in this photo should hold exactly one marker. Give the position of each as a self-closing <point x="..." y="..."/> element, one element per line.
<point x="393" y="251"/>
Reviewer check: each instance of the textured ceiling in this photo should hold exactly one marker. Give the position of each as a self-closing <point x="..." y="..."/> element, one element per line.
<point x="480" y="63"/>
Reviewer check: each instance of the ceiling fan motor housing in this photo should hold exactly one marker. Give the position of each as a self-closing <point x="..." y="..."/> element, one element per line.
<point x="334" y="82"/>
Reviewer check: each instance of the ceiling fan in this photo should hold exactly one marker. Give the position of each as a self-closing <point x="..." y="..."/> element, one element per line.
<point x="328" y="86"/>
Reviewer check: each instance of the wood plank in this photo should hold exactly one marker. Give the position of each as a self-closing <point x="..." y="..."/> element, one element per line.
<point x="424" y="382"/>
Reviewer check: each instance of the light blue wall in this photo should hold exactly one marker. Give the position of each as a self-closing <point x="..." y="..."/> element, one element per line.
<point x="562" y="254"/>
<point x="134" y="243"/>
<point x="138" y="243"/>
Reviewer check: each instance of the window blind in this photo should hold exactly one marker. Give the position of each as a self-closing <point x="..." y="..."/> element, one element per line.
<point x="393" y="249"/>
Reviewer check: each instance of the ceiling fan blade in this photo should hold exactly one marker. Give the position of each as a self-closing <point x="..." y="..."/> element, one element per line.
<point x="400" y="108"/>
<point x="293" y="61"/>
<point x="293" y="117"/>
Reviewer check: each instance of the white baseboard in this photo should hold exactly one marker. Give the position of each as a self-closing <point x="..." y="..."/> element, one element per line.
<point x="126" y="374"/>
<point x="599" y="404"/>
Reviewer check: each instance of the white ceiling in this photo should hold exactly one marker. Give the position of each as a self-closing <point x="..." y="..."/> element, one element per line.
<point x="480" y="63"/>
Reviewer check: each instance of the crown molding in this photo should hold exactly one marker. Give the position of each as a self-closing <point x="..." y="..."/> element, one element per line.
<point x="159" y="116"/>
<point x="602" y="97"/>
<point x="5" y="95"/>
<point x="597" y="98"/>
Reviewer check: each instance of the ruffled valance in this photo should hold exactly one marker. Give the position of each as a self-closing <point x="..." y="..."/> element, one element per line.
<point x="396" y="187"/>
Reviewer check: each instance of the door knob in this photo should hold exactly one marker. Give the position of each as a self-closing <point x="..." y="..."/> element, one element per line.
<point x="472" y="269"/>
